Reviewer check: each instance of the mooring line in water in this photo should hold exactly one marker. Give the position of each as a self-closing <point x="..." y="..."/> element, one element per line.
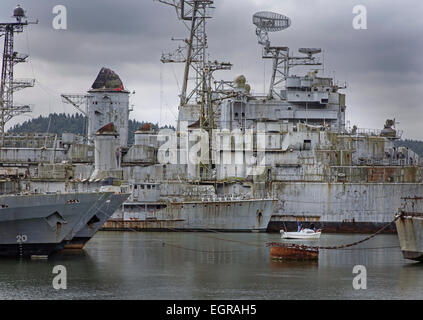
<point x="362" y="240"/>
<point x="198" y="250"/>
<point x="223" y="239"/>
<point x="371" y="248"/>
<point x="306" y="247"/>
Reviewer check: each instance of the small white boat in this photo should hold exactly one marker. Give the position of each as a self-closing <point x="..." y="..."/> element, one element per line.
<point x="305" y="234"/>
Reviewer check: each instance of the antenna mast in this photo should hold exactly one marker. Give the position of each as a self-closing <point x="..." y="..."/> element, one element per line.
<point x="10" y="58"/>
<point x="194" y="14"/>
<point x="265" y="22"/>
<point x="193" y="53"/>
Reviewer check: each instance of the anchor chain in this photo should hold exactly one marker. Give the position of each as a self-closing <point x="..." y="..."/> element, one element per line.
<point x="306" y="247"/>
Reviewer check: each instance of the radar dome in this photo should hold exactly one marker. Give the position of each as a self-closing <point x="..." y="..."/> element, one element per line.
<point x="18" y="12"/>
<point x="240" y="81"/>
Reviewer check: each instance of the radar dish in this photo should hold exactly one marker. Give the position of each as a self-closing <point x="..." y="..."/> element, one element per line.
<point x="270" y="21"/>
<point x="309" y="51"/>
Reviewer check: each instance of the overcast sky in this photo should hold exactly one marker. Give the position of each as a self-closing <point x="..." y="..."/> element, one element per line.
<point x="382" y="65"/>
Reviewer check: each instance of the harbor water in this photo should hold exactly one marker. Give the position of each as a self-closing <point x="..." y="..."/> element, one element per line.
<point x="197" y="265"/>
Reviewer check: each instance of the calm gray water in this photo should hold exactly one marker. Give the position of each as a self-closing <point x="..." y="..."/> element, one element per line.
<point x="131" y="265"/>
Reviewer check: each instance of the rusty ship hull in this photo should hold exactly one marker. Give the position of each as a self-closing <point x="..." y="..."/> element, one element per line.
<point x="410" y="235"/>
<point x="409" y="224"/>
<point x="340" y="207"/>
<point x="229" y="216"/>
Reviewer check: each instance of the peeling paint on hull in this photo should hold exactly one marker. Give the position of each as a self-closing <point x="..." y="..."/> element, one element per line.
<point x="340" y="207"/>
<point x="410" y="235"/>
<point x="236" y="215"/>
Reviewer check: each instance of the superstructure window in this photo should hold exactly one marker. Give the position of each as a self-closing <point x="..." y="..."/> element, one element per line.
<point x="307" y="145"/>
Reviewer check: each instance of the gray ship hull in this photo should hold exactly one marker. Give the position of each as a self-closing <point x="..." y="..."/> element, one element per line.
<point x="410" y="235"/>
<point x="340" y="207"/>
<point x="37" y="224"/>
<point x="230" y="216"/>
<point x="94" y="208"/>
<point x="96" y="221"/>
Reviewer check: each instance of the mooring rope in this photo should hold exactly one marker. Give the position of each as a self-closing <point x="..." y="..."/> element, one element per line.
<point x="298" y="246"/>
<point x="223" y="239"/>
<point x="373" y="248"/>
<point x="201" y="235"/>
<point x="306" y="247"/>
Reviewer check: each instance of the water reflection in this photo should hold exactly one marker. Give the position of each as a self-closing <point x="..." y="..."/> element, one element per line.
<point x="130" y="265"/>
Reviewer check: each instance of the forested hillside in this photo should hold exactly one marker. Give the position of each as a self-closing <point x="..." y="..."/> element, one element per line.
<point x="75" y="123"/>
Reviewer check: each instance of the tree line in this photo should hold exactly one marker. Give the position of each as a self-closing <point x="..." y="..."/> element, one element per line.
<point x="58" y="123"/>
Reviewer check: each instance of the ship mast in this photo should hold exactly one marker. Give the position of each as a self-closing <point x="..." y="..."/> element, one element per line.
<point x="193" y="53"/>
<point x="266" y="22"/>
<point x="9" y="85"/>
<point x="194" y="15"/>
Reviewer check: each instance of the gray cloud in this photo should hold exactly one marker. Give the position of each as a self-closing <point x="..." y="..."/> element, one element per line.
<point x="382" y="65"/>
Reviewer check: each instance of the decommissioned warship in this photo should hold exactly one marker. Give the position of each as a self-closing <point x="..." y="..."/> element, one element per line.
<point x="318" y="169"/>
<point x="234" y="153"/>
<point x="38" y="222"/>
<point x="71" y="163"/>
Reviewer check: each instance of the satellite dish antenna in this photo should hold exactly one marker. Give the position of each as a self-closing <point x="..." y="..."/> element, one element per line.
<point x="267" y="21"/>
